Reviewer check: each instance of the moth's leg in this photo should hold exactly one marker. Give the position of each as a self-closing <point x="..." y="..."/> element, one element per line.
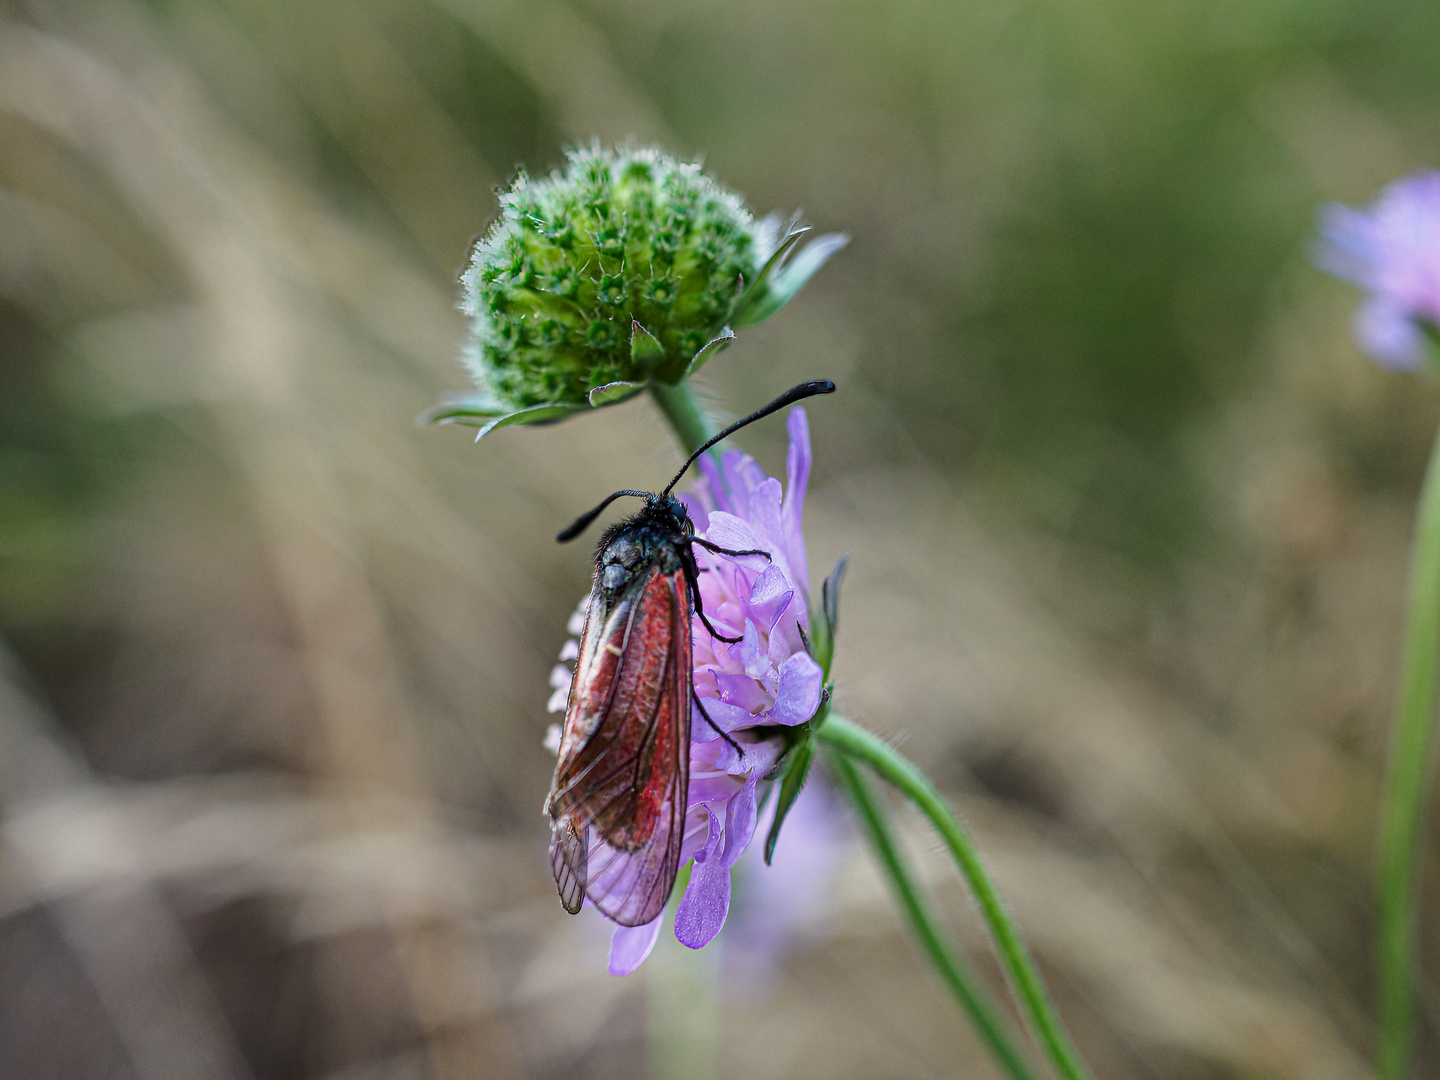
<point x="687" y="562"/>
<point x="708" y="546"/>
<point x="713" y="632"/>
<point x="733" y="744"/>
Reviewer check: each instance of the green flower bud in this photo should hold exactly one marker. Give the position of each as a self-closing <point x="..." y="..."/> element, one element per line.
<point x="615" y="271"/>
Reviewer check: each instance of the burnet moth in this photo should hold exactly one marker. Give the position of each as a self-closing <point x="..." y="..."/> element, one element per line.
<point x="617" y="803"/>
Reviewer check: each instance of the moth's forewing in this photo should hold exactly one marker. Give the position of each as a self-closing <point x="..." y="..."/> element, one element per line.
<point x="618" y="798"/>
<point x="631" y="876"/>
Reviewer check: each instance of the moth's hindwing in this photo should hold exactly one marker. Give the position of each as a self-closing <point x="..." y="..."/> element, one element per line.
<point x="618" y="800"/>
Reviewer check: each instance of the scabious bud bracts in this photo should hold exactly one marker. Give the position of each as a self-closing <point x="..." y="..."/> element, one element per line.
<point x="626" y="266"/>
<point x="631" y="236"/>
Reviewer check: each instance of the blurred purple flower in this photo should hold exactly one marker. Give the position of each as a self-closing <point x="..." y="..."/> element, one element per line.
<point x="764" y="680"/>
<point x="1392" y="250"/>
<point x="781" y="906"/>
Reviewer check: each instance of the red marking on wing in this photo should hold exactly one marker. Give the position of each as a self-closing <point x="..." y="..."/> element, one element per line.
<point x="619" y="794"/>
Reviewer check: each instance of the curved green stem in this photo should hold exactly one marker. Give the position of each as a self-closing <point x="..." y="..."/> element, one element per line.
<point x="951" y="965"/>
<point x="1404" y="796"/>
<point x="847" y="738"/>
<point x="687" y="419"/>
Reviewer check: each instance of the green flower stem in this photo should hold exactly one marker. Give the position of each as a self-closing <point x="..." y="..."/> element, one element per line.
<point x="1404" y="797"/>
<point x="688" y="420"/>
<point x="951" y="965"/>
<point x="846" y="738"/>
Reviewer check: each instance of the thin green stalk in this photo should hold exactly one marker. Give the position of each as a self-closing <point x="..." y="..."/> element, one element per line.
<point x="687" y="419"/>
<point x="847" y="738"/>
<point x="950" y="964"/>
<point x="1404" y="797"/>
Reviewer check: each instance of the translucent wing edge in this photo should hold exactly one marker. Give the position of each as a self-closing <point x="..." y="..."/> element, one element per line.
<point x="569" y="858"/>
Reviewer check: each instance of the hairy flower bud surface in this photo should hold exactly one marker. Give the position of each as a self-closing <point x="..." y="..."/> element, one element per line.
<point x="626" y="266"/>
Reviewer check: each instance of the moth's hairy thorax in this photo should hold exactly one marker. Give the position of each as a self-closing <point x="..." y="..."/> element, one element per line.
<point x="655" y="537"/>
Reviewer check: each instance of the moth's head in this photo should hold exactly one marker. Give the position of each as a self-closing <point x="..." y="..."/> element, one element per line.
<point x="669" y="511"/>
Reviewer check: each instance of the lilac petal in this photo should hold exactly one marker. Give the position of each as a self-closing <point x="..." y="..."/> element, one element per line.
<point x="735" y="764"/>
<point x="630" y="945"/>
<point x="751" y="758"/>
<point x="739" y="822"/>
<point x="778" y="617"/>
<point x="728" y="531"/>
<point x="1392" y="250"/>
<point x="799" y="693"/>
<point x="742" y="475"/>
<point x="702" y="910"/>
<point x="711" y="489"/>
<point x="697" y="832"/>
<point x="1387" y="335"/>
<point x="785" y="636"/>
<point x="755" y="662"/>
<point x="726" y="717"/>
<point x="770" y="596"/>
<point x="712" y="838"/>
<point x="1348" y="240"/>
<point x="703" y="755"/>
<point x="751" y="472"/>
<point x="765" y="510"/>
<point x="764" y="756"/>
<point x="717" y="789"/>
<point x="755" y="759"/>
<point x="717" y="587"/>
<point x="724" y="615"/>
<point x="737" y="491"/>
<point x="724" y="764"/>
<point x="741" y="691"/>
<point x="770" y="585"/>
<point x="797" y="479"/>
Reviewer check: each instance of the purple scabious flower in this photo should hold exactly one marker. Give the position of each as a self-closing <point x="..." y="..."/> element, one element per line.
<point x="765" y="680"/>
<point x="1392" y="250"/>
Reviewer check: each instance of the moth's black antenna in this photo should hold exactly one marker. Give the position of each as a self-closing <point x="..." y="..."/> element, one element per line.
<point x="580" y="524"/>
<point x="794" y="394"/>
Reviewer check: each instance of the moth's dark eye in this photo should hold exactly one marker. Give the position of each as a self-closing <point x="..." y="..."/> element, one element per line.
<point x="613" y="576"/>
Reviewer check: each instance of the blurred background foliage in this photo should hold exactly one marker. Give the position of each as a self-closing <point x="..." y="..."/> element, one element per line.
<point x="1128" y="516"/>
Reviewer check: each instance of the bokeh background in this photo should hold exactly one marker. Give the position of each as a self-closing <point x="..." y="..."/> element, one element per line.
<point x="1127" y="514"/>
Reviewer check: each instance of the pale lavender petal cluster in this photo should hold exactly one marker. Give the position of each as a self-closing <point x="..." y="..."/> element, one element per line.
<point x="766" y="679"/>
<point x="1392" y="250"/>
